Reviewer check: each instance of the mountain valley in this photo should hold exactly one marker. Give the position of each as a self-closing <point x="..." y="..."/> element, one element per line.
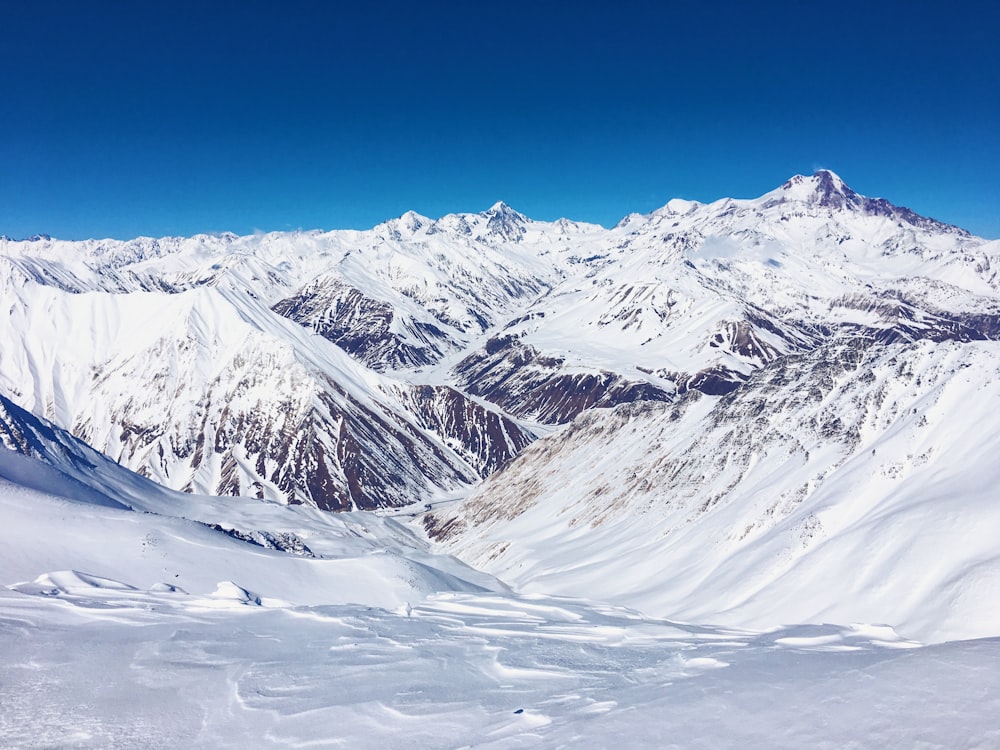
<point x="561" y="474"/>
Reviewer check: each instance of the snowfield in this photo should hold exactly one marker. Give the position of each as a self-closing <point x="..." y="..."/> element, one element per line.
<point x="380" y="648"/>
<point x="869" y="494"/>
<point x="721" y="476"/>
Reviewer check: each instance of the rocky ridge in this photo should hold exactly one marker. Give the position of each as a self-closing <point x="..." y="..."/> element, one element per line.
<point x="382" y="368"/>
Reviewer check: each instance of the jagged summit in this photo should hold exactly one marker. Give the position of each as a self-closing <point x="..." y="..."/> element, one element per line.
<point x="505" y="223"/>
<point x="830" y="187"/>
<point x="829" y="191"/>
<point x="500" y="208"/>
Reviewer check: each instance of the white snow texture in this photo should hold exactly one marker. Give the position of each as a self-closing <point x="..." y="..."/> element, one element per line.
<point x="759" y="506"/>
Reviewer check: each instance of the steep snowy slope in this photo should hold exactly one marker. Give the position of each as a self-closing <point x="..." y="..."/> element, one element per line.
<point x="381" y="368"/>
<point x="208" y="391"/>
<point x="226" y="623"/>
<point x="699" y="296"/>
<point x="855" y="482"/>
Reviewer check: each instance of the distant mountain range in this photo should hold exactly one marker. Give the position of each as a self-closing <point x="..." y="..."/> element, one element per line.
<point x="702" y="411"/>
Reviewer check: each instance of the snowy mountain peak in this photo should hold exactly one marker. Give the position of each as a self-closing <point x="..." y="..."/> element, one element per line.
<point x="407" y="225"/>
<point x="502" y="209"/>
<point x="826" y="190"/>
<point x="673" y="207"/>
<point x="413" y="222"/>
<point x="504" y="223"/>
<point x="832" y="192"/>
<point x="829" y="176"/>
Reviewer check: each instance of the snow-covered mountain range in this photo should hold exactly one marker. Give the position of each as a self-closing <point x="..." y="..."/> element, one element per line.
<point x="751" y="413"/>
<point x="372" y="369"/>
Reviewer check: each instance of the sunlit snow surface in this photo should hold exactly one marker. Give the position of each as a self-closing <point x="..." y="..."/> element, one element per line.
<point x="132" y="616"/>
<point x="170" y="633"/>
<point x="114" y="668"/>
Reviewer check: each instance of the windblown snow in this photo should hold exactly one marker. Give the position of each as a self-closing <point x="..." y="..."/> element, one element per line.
<point x="722" y="475"/>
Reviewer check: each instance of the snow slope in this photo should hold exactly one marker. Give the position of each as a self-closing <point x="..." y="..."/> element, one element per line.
<point x="468" y="671"/>
<point x="853" y="483"/>
<point x="777" y="419"/>
<point x="134" y="629"/>
<point x="79" y="514"/>
<point x="534" y="322"/>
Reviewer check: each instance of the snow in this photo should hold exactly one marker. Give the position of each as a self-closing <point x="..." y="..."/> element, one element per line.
<point x="673" y="511"/>
<point x="151" y="628"/>
<point x="89" y="660"/>
<point x="807" y="562"/>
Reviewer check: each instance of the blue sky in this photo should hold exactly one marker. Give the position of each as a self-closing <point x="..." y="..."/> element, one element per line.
<point x="125" y="118"/>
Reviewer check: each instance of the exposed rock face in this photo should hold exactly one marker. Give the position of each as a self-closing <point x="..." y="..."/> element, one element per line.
<point x="526" y="383"/>
<point x="268" y="426"/>
<point x="332" y="452"/>
<point x="487" y="439"/>
<point x="283" y="541"/>
<point x="366" y="328"/>
<point x="380" y="368"/>
<point x="504" y="224"/>
<point x="906" y="319"/>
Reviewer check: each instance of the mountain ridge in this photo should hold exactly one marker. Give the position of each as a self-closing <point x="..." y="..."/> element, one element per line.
<point x="831" y="191"/>
<point x="496" y="320"/>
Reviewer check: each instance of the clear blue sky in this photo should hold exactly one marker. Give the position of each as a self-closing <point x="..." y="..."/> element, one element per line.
<point x="129" y="117"/>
